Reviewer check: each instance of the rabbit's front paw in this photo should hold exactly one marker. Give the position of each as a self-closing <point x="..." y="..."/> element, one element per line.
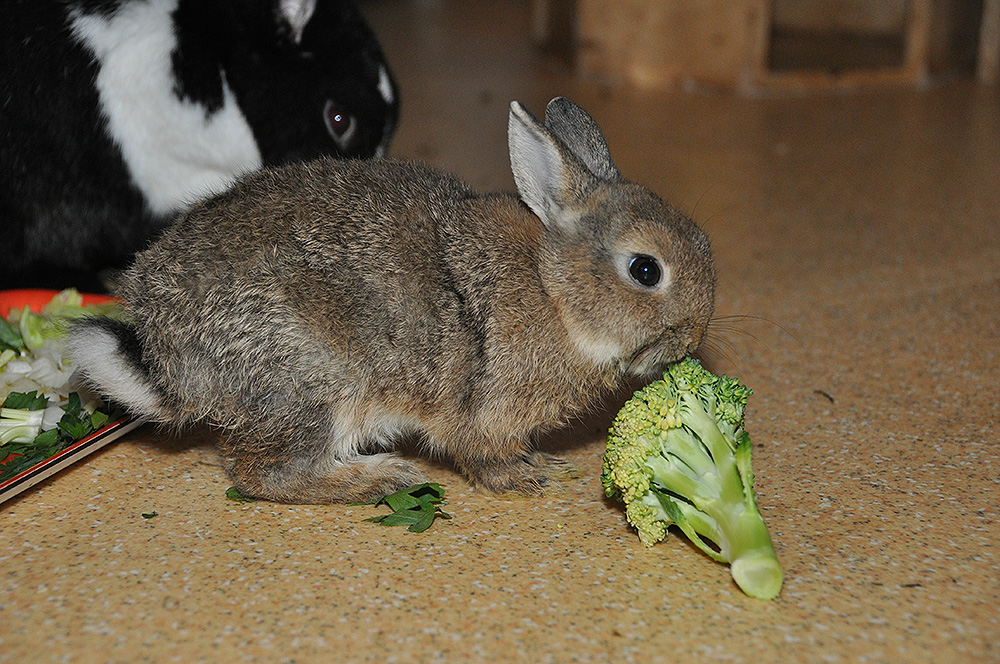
<point x="529" y="475"/>
<point x="554" y="467"/>
<point x="517" y="477"/>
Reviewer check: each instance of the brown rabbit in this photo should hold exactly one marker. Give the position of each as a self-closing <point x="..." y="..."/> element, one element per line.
<point x="317" y="313"/>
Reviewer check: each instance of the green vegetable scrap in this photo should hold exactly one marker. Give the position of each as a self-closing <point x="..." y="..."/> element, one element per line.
<point x="232" y="493"/>
<point x="415" y="507"/>
<point x="25" y="401"/>
<point x="21" y="436"/>
<point x="34" y="329"/>
<point x="39" y="381"/>
<point x="19" y="425"/>
<point x="69" y="304"/>
<point x="21" y="417"/>
<point x="677" y="454"/>
<point x="11" y="342"/>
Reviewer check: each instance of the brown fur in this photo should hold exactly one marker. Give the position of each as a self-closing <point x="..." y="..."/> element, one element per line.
<point x="316" y="312"/>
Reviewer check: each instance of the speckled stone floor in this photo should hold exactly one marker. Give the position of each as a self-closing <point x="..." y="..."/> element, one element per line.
<point x="858" y="247"/>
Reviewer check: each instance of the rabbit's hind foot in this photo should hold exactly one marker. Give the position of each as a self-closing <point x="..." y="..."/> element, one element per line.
<point x="360" y="479"/>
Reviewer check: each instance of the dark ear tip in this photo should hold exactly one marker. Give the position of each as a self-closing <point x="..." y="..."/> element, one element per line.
<point x="558" y="106"/>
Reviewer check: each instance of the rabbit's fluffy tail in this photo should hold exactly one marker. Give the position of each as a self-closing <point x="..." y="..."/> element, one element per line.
<point x="109" y="355"/>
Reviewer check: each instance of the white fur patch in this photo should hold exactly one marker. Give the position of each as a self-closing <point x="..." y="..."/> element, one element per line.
<point x="174" y="151"/>
<point x="385" y="85"/>
<point x="98" y="354"/>
<point x="353" y="431"/>
<point x="297" y="13"/>
<point x="599" y="351"/>
<point x="386" y="430"/>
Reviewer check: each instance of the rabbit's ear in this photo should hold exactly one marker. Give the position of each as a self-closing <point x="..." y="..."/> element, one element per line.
<point x="297" y="14"/>
<point x="548" y="177"/>
<point x="579" y="132"/>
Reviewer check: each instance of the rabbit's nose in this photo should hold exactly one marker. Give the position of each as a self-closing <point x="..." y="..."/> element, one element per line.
<point x="691" y="335"/>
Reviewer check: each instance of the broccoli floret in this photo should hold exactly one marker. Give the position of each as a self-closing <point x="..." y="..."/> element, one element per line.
<point x="677" y="454"/>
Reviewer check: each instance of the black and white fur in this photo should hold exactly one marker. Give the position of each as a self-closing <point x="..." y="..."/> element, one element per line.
<point x="117" y="114"/>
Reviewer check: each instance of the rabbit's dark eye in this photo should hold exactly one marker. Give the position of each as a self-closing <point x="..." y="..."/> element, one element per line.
<point x="645" y="270"/>
<point x="340" y="124"/>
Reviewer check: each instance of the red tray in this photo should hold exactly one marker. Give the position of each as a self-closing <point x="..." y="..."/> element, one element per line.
<point x="35" y="299"/>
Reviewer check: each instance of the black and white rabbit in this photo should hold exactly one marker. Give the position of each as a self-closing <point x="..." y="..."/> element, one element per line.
<point x="117" y="114"/>
<point x="318" y="312"/>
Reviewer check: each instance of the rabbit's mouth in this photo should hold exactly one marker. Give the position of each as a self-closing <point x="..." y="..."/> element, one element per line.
<point x="651" y="359"/>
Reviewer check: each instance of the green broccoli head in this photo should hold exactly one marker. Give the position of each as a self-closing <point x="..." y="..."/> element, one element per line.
<point x="677" y="454"/>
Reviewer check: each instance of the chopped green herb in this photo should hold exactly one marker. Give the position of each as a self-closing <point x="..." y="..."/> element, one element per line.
<point x="35" y="340"/>
<point x="415" y="507"/>
<point x="24" y="445"/>
<point x="10" y="338"/>
<point x="26" y="401"/>
<point x="232" y="493"/>
<point x="149" y="515"/>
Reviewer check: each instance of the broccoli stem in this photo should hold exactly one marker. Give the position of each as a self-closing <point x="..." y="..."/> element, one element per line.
<point x="753" y="562"/>
<point x="683" y="445"/>
<point x="741" y="535"/>
<point x="703" y="424"/>
<point x="715" y="500"/>
<point x="672" y="475"/>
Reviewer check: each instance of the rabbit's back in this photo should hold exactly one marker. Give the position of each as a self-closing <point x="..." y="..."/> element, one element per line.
<point x="327" y="220"/>
<point x="335" y="273"/>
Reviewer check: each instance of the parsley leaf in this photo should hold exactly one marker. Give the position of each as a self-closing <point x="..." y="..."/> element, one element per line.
<point x="26" y="401"/>
<point x="76" y="423"/>
<point x="415" y="507"/>
<point x="232" y="493"/>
